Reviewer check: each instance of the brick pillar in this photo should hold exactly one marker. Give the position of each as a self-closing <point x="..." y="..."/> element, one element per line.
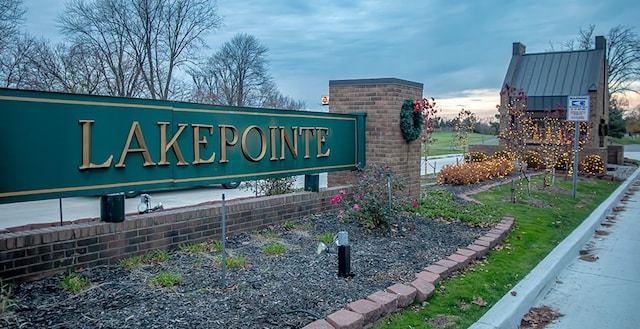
<point x="381" y="99"/>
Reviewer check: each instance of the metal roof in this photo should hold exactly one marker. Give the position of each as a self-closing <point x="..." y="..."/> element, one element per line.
<point x="548" y="78"/>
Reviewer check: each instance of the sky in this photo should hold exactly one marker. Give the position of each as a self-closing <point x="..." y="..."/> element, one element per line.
<point x="459" y="50"/>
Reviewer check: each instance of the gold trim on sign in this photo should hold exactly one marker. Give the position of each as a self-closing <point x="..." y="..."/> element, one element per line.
<point x="66" y="101"/>
<point x="160" y="181"/>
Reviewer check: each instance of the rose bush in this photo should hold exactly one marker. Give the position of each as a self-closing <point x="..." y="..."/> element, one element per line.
<point x="369" y="203"/>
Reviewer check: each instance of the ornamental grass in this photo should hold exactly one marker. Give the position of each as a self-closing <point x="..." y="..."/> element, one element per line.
<point x="475" y="172"/>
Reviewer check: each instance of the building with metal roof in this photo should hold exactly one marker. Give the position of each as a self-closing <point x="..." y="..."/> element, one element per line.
<point x="549" y="78"/>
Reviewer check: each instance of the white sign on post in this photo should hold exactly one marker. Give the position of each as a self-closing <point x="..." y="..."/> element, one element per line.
<point x="578" y="108"/>
<point x="577" y="111"/>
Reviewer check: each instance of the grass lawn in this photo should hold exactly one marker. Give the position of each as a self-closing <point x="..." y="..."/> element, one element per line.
<point x="626" y="140"/>
<point x="542" y="221"/>
<point x="443" y="146"/>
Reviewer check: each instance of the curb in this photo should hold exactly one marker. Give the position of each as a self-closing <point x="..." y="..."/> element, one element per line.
<point x="509" y="310"/>
<point x="364" y="312"/>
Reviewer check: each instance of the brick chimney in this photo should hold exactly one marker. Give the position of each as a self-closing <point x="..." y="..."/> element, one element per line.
<point x="518" y="49"/>
<point x="601" y="42"/>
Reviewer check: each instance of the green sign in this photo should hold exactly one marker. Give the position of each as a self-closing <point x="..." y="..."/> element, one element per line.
<point x="61" y="145"/>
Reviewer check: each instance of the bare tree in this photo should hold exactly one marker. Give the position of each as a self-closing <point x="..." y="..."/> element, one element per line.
<point x="74" y="69"/>
<point x="11" y="18"/>
<point x="167" y="34"/>
<point x="14" y="63"/>
<point x="270" y="97"/>
<point x="100" y="27"/>
<point x="235" y="74"/>
<point x="11" y="62"/>
<point x="139" y="41"/>
<point x="238" y="75"/>
<point x="623" y="54"/>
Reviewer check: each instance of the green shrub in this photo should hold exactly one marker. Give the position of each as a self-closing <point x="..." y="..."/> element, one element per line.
<point x="369" y="204"/>
<point x="165" y="279"/>
<point x="266" y="235"/>
<point x="502" y="155"/>
<point x="272" y="186"/>
<point x="565" y="162"/>
<point x="151" y="257"/>
<point x="274" y="248"/>
<point x="288" y="226"/>
<point x="326" y="238"/>
<point x="232" y="261"/>
<point x="155" y="257"/>
<point x="592" y="164"/>
<point x="131" y="262"/>
<point x="194" y="248"/>
<point x="475" y="157"/>
<point x="534" y="160"/>
<point x="304" y="227"/>
<point x="6" y="297"/>
<point x="74" y="283"/>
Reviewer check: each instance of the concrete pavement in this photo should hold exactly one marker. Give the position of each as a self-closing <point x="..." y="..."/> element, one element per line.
<point x="598" y="294"/>
<point x="602" y="293"/>
<point x="70" y="209"/>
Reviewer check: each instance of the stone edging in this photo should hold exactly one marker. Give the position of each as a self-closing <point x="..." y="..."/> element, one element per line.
<point x="364" y="312"/>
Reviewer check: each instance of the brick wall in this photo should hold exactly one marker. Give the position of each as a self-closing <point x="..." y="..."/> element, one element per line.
<point x="41" y="252"/>
<point x="382" y="100"/>
<point x="34" y="254"/>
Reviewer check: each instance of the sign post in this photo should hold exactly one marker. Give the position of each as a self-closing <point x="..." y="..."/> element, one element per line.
<point x="577" y="111"/>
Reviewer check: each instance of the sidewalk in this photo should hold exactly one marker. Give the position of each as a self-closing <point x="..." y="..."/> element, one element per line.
<point x="599" y="292"/>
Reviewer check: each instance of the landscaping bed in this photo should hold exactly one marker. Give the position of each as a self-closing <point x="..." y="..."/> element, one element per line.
<point x="266" y="291"/>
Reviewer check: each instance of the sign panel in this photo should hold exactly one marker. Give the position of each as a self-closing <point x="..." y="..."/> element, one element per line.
<point x="325" y="100"/>
<point x="578" y="108"/>
<point x="61" y="145"/>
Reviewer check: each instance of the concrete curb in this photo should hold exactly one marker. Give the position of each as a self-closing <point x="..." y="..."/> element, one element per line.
<point x="509" y="310"/>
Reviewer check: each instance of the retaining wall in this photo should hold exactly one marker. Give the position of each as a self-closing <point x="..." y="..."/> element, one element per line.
<point x="34" y="254"/>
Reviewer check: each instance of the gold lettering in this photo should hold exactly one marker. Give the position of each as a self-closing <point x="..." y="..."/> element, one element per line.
<point x="164" y="146"/>
<point x="284" y="139"/>
<point x="321" y="140"/>
<point x="224" y="142"/>
<point x="197" y="142"/>
<point x="308" y="131"/>
<point x="142" y="146"/>
<point x="263" y="144"/>
<point x="274" y="149"/>
<point x="86" y="148"/>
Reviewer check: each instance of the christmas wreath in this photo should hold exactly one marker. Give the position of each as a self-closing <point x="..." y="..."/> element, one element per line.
<point x="411" y="120"/>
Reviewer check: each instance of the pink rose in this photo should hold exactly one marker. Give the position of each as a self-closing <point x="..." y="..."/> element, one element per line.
<point x="356" y="207"/>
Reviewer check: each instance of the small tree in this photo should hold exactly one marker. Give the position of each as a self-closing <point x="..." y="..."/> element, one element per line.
<point x="429" y="120"/>
<point x="553" y="140"/>
<point x="518" y="123"/>
<point x="518" y="129"/>
<point x="465" y="123"/>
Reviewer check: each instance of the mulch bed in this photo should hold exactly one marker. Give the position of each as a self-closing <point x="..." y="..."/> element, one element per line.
<point x="287" y="291"/>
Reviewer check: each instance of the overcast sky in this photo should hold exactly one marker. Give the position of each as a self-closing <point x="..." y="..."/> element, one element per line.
<point x="459" y="50"/>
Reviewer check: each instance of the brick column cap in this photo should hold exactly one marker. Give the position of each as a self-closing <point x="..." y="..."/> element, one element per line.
<point x="376" y="81"/>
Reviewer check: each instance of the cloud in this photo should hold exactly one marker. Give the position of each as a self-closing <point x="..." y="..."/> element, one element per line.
<point x="451" y="47"/>
<point x="482" y="102"/>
